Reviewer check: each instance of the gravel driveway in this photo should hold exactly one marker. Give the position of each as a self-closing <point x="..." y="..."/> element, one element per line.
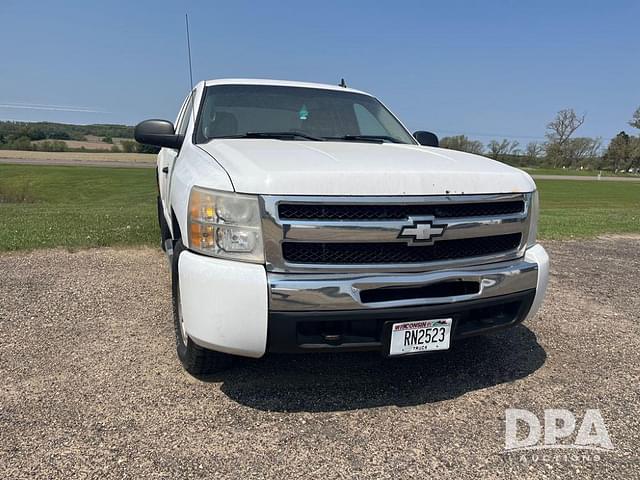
<point x="91" y="387"/>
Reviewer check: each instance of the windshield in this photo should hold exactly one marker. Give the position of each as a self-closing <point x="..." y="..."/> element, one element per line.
<point x="295" y="113"/>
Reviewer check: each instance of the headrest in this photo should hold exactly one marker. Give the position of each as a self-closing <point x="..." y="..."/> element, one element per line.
<point x="222" y="124"/>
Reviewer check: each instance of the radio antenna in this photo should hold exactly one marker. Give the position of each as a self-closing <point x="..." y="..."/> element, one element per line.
<point x="191" y="95"/>
<point x="186" y="19"/>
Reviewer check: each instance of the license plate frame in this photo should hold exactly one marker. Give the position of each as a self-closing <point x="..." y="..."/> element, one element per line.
<point x="401" y="332"/>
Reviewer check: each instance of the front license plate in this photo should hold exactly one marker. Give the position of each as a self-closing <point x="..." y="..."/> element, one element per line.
<point x="420" y="336"/>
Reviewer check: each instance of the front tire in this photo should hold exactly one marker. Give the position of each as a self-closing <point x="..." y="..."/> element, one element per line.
<point x="195" y="359"/>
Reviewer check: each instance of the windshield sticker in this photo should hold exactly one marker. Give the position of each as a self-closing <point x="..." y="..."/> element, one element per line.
<point x="303" y="114"/>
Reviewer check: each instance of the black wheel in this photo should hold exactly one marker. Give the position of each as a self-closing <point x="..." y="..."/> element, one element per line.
<point x="165" y="233"/>
<point x="195" y="359"/>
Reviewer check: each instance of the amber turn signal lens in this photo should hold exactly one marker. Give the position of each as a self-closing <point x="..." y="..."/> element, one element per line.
<point x="201" y="235"/>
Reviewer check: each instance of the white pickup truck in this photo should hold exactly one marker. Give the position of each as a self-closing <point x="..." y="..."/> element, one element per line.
<point x="304" y="217"/>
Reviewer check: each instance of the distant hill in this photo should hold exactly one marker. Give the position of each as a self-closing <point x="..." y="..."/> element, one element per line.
<point x="62" y="131"/>
<point x="50" y="136"/>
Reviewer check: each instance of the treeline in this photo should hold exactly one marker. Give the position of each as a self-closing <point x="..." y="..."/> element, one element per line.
<point x="35" y="131"/>
<point x="561" y="149"/>
<point x="51" y="137"/>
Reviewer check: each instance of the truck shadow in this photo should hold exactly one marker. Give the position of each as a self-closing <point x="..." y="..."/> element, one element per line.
<point x="340" y="382"/>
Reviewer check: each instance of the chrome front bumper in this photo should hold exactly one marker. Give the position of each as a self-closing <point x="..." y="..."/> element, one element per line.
<point x="306" y="292"/>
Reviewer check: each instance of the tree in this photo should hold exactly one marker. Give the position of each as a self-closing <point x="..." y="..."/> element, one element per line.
<point x="635" y="120"/>
<point x="582" y="151"/>
<point x="463" y="144"/>
<point x="623" y="152"/>
<point x="619" y="151"/>
<point x="533" y="152"/>
<point x="22" y="143"/>
<point x="128" y="146"/>
<point x="635" y="153"/>
<point x="560" y="129"/>
<point x="500" y="149"/>
<point x="558" y="134"/>
<point x="35" y="133"/>
<point x="141" y="148"/>
<point x="58" y="146"/>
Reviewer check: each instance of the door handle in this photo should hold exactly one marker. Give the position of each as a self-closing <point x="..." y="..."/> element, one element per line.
<point x="165" y="170"/>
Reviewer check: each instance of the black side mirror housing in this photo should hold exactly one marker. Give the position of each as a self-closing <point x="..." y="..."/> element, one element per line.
<point x="427" y="139"/>
<point x="159" y="133"/>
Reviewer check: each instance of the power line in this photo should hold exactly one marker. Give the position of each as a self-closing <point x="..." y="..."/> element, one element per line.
<point x="58" y="108"/>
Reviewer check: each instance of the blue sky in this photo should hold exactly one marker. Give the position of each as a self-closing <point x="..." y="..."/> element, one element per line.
<point x="485" y="69"/>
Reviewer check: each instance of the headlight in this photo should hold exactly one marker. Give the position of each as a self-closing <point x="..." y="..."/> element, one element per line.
<point x="225" y="225"/>
<point x="534" y="211"/>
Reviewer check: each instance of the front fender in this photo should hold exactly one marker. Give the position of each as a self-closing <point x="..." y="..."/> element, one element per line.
<point x="193" y="167"/>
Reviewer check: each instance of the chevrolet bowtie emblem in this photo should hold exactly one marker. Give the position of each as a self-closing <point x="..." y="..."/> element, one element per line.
<point x="421" y="232"/>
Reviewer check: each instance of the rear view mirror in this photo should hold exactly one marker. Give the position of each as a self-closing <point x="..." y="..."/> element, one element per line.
<point x="159" y="133"/>
<point x="427" y="139"/>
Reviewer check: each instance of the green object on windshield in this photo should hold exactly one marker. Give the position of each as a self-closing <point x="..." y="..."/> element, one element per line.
<point x="303" y="114"/>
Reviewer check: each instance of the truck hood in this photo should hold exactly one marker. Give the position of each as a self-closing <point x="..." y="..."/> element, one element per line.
<point x="285" y="167"/>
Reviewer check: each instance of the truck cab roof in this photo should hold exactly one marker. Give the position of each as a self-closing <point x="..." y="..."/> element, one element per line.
<point x="280" y="83"/>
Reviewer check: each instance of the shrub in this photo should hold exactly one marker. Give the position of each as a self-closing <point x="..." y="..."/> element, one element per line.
<point x="128" y="146"/>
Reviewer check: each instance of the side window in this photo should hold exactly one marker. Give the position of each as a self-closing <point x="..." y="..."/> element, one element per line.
<point x="368" y="124"/>
<point x="181" y="113"/>
<point x="181" y="128"/>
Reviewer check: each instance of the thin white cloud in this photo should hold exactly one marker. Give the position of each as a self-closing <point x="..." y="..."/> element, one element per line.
<point x="57" y="108"/>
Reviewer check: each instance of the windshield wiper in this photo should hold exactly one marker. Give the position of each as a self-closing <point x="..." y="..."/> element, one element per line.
<point x="276" y="135"/>
<point x="365" y="138"/>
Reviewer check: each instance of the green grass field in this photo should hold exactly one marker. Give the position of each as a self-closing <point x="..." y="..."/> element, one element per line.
<point x="575" y="209"/>
<point x="74" y="207"/>
<point x="573" y="172"/>
<point x="45" y="206"/>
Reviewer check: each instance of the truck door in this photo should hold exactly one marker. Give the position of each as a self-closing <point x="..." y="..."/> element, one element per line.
<point x="167" y="156"/>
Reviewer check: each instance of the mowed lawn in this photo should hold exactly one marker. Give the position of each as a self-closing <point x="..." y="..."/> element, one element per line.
<point x="45" y="206"/>
<point x="576" y="209"/>
<point x="575" y="172"/>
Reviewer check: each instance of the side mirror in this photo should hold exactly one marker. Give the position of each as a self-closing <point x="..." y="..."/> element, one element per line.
<point x="427" y="139"/>
<point x="159" y="133"/>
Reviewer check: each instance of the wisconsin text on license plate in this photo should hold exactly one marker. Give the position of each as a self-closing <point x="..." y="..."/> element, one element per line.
<point x="420" y="336"/>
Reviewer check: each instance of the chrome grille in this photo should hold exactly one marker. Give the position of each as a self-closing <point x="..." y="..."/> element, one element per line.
<point x="297" y="211"/>
<point x="346" y="234"/>
<point x="377" y="253"/>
